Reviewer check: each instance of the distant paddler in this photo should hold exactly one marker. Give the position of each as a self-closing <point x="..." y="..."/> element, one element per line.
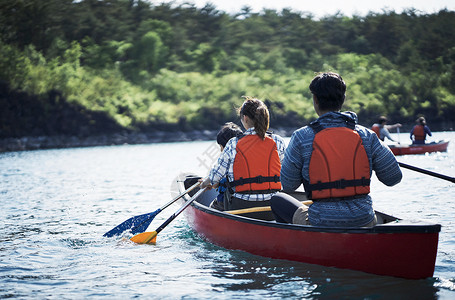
<point x="381" y="128"/>
<point x="420" y="131"/>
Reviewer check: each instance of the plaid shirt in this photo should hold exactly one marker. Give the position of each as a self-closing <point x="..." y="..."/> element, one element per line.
<point x="225" y="165"/>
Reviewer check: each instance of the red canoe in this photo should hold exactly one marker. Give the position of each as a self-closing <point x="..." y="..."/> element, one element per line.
<point x="440" y="146"/>
<point x="394" y="247"/>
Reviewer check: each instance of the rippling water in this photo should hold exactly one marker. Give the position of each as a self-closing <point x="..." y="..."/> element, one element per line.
<point x="57" y="204"/>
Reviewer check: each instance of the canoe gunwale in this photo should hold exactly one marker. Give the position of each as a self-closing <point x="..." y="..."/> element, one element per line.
<point x="432" y="144"/>
<point x="390" y="227"/>
<point x="410" y="149"/>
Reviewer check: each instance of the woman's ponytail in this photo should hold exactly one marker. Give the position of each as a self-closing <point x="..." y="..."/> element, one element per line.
<point x="257" y="111"/>
<point x="261" y="120"/>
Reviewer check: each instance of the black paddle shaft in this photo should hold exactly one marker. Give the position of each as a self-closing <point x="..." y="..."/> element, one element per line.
<point x="174" y="215"/>
<point x="452" y="179"/>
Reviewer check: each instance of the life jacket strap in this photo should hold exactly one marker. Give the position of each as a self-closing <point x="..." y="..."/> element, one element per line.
<point x="258" y="179"/>
<point x="339" y="184"/>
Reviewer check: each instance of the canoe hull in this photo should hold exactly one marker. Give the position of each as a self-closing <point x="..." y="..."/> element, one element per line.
<point x="400" y="248"/>
<point x="440" y="146"/>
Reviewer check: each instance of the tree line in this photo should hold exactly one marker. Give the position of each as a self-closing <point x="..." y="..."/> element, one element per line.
<point x="80" y="67"/>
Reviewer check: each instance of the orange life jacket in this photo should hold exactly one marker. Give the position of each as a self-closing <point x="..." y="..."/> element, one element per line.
<point x="419" y="133"/>
<point x="257" y="165"/>
<point x="339" y="165"/>
<point x="377" y="129"/>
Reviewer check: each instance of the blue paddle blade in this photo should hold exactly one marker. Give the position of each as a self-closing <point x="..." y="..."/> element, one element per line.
<point x="136" y="223"/>
<point x="142" y="227"/>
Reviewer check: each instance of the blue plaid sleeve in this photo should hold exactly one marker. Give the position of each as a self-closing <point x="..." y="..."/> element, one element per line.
<point x="280" y="145"/>
<point x="224" y="162"/>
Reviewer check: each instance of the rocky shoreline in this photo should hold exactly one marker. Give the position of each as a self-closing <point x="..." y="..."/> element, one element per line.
<point x="62" y="141"/>
<point x="123" y="138"/>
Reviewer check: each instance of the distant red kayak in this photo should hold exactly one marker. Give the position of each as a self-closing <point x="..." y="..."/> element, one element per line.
<point x="394" y="247"/>
<point x="440" y="146"/>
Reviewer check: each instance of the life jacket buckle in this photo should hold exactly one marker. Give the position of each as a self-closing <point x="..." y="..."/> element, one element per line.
<point x="260" y="179"/>
<point x="276" y="178"/>
<point x="340" y="184"/>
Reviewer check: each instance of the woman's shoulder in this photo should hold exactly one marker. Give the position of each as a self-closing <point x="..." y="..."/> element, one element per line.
<point x="279" y="141"/>
<point x="231" y="144"/>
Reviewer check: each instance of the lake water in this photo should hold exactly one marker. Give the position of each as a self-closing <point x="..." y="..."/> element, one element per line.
<point x="57" y="204"/>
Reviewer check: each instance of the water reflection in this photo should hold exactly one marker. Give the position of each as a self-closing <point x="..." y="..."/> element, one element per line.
<point x="253" y="275"/>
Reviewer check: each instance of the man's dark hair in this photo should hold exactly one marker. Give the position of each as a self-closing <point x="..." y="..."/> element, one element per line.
<point x="382" y="120"/>
<point x="330" y="90"/>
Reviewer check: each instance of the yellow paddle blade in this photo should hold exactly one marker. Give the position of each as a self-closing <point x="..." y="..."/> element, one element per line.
<point x="145" y="238"/>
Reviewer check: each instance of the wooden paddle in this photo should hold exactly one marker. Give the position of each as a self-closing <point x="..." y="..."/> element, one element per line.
<point x="140" y="223"/>
<point x="445" y="177"/>
<point x="258" y="209"/>
<point x="150" y="237"/>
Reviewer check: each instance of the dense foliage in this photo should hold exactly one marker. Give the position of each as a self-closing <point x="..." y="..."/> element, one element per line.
<point x="107" y="65"/>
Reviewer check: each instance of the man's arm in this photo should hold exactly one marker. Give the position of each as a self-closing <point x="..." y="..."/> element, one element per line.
<point x="386" y="134"/>
<point x="385" y="164"/>
<point x="291" y="168"/>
